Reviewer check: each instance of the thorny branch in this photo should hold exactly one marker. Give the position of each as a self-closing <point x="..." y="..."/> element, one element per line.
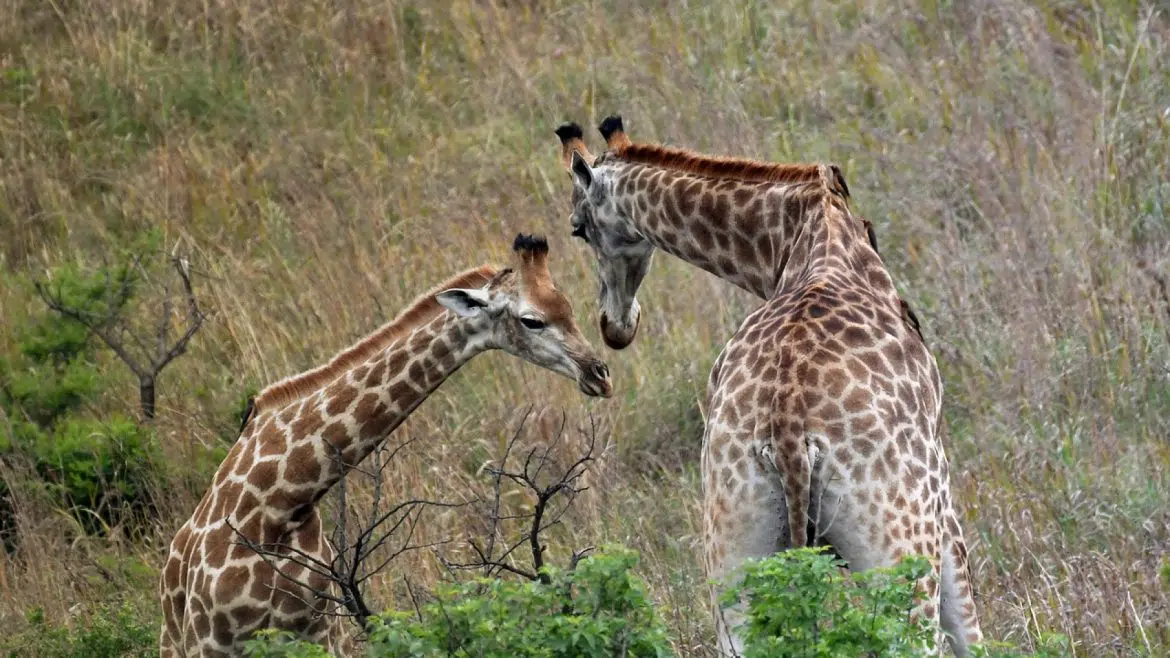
<point x="554" y="494"/>
<point x="112" y="327"/>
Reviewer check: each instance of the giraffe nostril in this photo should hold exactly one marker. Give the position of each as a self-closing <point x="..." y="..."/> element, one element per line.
<point x="600" y="371"/>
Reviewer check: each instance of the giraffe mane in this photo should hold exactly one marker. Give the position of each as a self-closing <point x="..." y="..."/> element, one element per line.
<point x="742" y="169"/>
<point x="422" y="309"/>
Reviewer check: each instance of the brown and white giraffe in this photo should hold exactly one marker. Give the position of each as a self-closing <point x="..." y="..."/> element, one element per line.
<point x="304" y="433"/>
<point x="824" y="408"/>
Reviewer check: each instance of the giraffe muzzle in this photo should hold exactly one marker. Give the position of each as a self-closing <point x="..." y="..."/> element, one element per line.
<point x="615" y="337"/>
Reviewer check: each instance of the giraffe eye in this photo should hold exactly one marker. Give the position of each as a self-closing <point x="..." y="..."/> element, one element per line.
<point x="533" y="323"/>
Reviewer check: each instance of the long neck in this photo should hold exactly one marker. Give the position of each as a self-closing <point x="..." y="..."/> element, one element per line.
<point x="318" y="439"/>
<point x="760" y="236"/>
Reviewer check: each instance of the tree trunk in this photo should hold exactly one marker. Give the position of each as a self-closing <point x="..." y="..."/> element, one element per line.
<point x="146" y="395"/>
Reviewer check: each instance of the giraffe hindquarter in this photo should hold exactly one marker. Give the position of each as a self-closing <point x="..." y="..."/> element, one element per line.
<point x="744" y="516"/>
<point x="744" y="509"/>
<point x="854" y="392"/>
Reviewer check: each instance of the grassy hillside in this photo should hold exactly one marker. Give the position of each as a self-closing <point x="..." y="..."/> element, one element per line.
<point x="322" y="162"/>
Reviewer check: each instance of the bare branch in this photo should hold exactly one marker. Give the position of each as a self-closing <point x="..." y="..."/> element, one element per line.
<point x="413" y="599"/>
<point x="383" y="533"/>
<point x="552" y="501"/>
<point x="100" y="326"/>
<point x="269" y="556"/>
<point x="195" y="317"/>
<point x="357" y="554"/>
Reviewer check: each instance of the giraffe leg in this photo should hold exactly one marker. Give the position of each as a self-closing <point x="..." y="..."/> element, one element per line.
<point x="866" y="543"/>
<point x="960" y="620"/>
<point x="166" y="648"/>
<point x="744" y="517"/>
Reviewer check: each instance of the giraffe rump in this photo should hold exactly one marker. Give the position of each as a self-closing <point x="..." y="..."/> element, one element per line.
<point x="422" y="309"/>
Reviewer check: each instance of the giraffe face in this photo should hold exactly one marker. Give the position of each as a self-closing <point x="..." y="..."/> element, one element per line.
<point x="623" y="254"/>
<point x="534" y="322"/>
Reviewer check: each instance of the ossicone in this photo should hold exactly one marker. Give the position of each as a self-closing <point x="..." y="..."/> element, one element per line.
<point x="614" y="133"/>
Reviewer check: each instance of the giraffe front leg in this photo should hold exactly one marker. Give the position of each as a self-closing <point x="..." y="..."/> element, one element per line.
<point x="744" y="517"/>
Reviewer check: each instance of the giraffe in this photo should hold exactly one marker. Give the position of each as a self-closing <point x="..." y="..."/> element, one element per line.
<point x="304" y="433"/>
<point x="823" y="410"/>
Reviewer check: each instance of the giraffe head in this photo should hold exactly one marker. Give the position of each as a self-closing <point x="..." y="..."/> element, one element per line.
<point x="521" y="312"/>
<point x="623" y="254"/>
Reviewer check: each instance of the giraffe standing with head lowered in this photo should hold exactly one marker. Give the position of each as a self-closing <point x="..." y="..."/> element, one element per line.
<point x="304" y="433"/>
<point x="824" y="408"/>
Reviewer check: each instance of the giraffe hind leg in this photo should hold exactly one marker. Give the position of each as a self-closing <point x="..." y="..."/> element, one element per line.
<point x="959" y="617"/>
<point x="862" y="543"/>
<point x="166" y="648"/>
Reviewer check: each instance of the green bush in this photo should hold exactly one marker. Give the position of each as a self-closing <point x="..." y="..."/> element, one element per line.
<point x="109" y="633"/>
<point x="804" y="603"/>
<point x="100" y="471"/>
<point x="46" y="392"/>
<point x="598" y="609"/>
<point x="103" y="467"/>
<point x="800" y="603"/>
<point x="55" y="373"/>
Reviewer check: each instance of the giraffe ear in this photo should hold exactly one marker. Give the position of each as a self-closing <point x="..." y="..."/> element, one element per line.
<point x="582" y="173"/>
<point x="465" y="302"/>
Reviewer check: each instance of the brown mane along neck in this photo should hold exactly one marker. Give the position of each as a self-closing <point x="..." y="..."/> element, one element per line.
<point x="422" y="309"/>
<point x="741" y="169"/>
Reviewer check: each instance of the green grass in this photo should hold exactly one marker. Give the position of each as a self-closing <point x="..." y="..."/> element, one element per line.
<point x="325" y="162"/>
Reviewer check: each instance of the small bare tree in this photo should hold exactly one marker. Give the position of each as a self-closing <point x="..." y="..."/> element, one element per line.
<point x="553" y="491"/>
<point x="149" y="356"/>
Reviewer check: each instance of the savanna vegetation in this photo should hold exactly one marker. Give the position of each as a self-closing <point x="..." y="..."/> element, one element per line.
<point x="316" y="164"/>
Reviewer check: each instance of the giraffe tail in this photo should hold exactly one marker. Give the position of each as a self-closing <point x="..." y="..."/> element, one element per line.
<point x="957" y="612"/>
<point x="790" y="454"/>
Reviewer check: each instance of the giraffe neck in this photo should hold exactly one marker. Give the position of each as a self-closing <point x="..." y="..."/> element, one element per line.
<point x="316" y="440"/>
<point x="760" y="236"/>
<point x="828" y="244"/>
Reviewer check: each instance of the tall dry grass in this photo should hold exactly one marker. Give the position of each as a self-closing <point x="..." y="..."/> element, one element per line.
<point x="324" y="161"/>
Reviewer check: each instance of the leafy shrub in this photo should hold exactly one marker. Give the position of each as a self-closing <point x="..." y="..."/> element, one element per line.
<point x="46" y="392"/>
<point x="109" y="633"/>
<point x="55" y="372"/>
<point x="803" y="603"/>
<point x="98" y="470"/>
<point x="598" y="609"/>
<point x="104" y="467"/>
